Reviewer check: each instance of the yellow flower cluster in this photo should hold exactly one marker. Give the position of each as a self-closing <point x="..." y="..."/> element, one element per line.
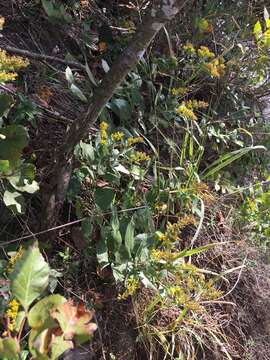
<point x="139" y="156"/>
<point x="9" y="64"/>
<point x="204" y="192"/>
<point x="172" y="232"/>
<point x="189" y="48"/>
<point x="181" y="91"/>
<point x="134" y="140"/>
<point x="186" y="112"/>
<point x="215" y="68"/>
<point x="131" y="288"/>
<point x="196" y="104"/>
<point x="13" y="259"/>
<point x="204" y="52"/>
<point x="103" y="133"/>
<point x="12" y="313"/>
<point x="186" y="109"/>
<point x="117" y="136"/>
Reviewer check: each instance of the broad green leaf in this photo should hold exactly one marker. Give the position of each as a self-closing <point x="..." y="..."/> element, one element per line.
<point x="4" y="167"/>
<point x="56" y="11"/>
<point x="129" y="237"/>
<point x="38" y="343"/>
<point x="121" y="108"/>
<point x="14" y="201"/>
<point x="59" y="346"/>
<point x="104" y="197"/>
<point x="30" y="277"/>
<point x="78" y="92"/>
<point x="19" y="319"/>
<point x="5" y="103"/>
<point x="257" y="31"/>
<point x="39" y="316"/>
<point x="9" y="349"/>
<point x="16" y="138"/>
<point x="87" y="151"/>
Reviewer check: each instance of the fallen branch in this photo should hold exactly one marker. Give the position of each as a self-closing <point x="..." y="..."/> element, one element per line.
<point x="36" y="56"/>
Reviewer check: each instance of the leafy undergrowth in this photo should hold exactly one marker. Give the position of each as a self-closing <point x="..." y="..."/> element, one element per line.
<point x="160" y="250"/>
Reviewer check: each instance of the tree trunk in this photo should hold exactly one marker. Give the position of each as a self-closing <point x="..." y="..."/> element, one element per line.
<point x="53" y="194"/>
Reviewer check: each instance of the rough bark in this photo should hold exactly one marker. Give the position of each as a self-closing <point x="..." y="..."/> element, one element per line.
<point x="161" y="12"/>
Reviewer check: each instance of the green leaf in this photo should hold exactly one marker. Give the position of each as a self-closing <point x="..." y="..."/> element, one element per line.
<point x="39" y="316"/>
<point x="116" y="234"/>
<point x="78" y="92"/>
<point x="4" y="166"/>
<point x="121" y="108"/>
<point x="16" y="138"/>
<point x="28" y="187"/>
<point x="5" y="103"/>
<point x="38" y="342"/>
<point x="56" y="11"/>
<point x="87" y="151"/>
<point x="129" y="237"/>
<point x="104" y="197"/>
<point x="30" y="277"/>
<point x="257" y="30"/>
<point x="9" y="349"/>
<point x="14" y="201"/>
<point x="227" y="159"/>
<point x="59" y="346"/>
<point x="102" y="253"/>
<point x="69" y="75"/>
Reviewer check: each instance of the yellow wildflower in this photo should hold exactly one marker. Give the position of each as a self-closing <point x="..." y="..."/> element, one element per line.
<point x="184" y="111"/>
<point x="13" y="259"/>
<point x="12" y="313"/>
<point x="215" y="68"/>
<point x="181" y="91"/>
<point x="131" y="288"/>
<point x="196" y="104"/>
<point x="103" y="132"/>
<point x="5" y="76"/>
<point x="117" y="136"/>
<point x="134" y="140"/>
<point x="204" y="52"/>
<point x="139" y="156"/>
<point x="189" y="48"/>
<point x="9" y="64"/>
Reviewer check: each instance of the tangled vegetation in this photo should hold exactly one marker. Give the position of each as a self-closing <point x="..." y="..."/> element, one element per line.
<point x="134" y="177"/>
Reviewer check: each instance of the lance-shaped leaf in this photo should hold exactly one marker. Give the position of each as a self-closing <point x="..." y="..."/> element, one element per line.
<point x="30" y="277"/>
